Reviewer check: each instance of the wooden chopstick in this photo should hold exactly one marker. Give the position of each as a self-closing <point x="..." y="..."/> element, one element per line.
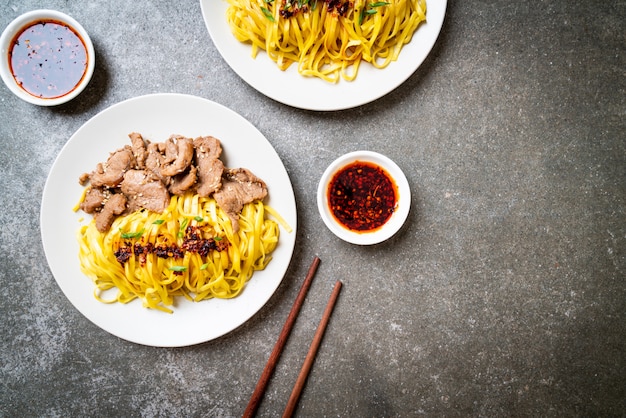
<point x="257" y="395"/>
<point x="308" y="361"/>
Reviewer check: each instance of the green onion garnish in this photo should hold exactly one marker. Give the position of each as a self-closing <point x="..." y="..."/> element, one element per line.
<point x="132" y="235"/>
<point x="268" y="14"/>
<point x="183" y="226"/>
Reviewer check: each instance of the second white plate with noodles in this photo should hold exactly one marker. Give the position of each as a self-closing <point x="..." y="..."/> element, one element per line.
<point x="157" y="117"/>
<point x="291" y="88"/>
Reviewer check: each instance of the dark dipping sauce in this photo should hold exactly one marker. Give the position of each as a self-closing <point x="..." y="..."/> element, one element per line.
<point x="362" y="196"/>
<point x="48" y="59"/>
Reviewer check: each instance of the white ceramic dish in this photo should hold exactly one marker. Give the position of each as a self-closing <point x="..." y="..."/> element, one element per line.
<point x="156" y="117"/>
<point x="394" y="223"/>
<point x="17" y="26"/>
<point x="292" y="89"/>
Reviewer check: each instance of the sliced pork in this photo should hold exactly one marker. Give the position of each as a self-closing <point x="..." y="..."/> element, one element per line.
<point x="94" y="200"/>
<point x="111" y="173"/>
<point x="184" y="181"/>
<point x="210" y="167"/>
<point x="114" y="206"/>
<point x="239" y="186"/>
<point x="144" y="175"/>
<point x="178" y="155"/>
<point x="155" y="160"/>
<point x="143" y="190"/>
<point x="140" y="151"/>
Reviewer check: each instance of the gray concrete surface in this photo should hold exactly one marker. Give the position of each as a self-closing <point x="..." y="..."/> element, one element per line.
<point x="504" y="295"/>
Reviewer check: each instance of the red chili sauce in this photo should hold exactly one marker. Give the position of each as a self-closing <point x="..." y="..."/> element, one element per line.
<point x="362" y="196"/>
<point x="48" y="59"/>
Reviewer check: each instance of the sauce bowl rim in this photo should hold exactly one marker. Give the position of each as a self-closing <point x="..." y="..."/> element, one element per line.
<point x="394" y="223"/>
<point x="18" y="24"/>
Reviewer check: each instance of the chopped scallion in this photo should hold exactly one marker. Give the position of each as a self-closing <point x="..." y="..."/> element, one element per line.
<point x="132" y="235"/>
<point x="183" y="226"/>
<point x="371" y="11"/>
<point x="268" y="14"/>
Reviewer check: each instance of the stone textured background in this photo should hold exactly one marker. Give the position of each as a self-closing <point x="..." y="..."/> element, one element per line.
<point x="503" y="295"/>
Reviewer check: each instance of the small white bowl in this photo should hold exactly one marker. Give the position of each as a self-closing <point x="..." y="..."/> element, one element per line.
<point x="392" y="225"/>
<point x="17" y="26"/>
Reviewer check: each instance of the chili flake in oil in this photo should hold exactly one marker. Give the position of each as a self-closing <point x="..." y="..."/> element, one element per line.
<point x="362" y="196"/>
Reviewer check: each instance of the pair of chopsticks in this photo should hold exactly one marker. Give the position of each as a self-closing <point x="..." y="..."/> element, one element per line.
<point x="255" y="400"/>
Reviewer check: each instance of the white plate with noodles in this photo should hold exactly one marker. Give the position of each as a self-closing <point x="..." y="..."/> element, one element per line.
<point x="157" y="117"/>
<point x="291" y="88"/>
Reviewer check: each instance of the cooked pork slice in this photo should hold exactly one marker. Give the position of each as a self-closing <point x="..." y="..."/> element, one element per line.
<point x="155" y="160"/>
<point x="111" y="173"/>
<point x="139" y="149"/>
<point x="210" y="167"/>
<point x="183" y="181"/>
<point x="114" y="206"/>
<point x="239" y="186"/>
<point x="178" y="155"/>
<point x="169" y="150"/>
<point x="94" y="200"/>
<point x="144" y="191"/>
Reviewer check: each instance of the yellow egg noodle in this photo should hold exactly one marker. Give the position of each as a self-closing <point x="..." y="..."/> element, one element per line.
<point x="326" y="38"/>
<point x="189" y="250"/>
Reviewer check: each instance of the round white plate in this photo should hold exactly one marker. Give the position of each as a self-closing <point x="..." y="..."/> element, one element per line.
<point x="292" y="89"/>
<point x="156" y="117"/>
